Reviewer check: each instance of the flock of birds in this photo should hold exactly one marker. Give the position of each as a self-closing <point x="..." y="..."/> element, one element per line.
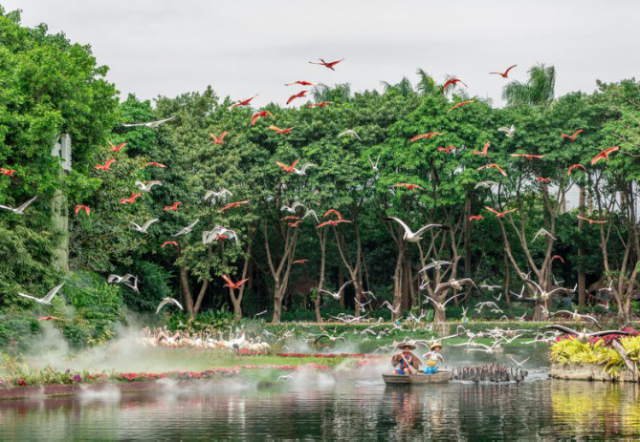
<point x="331" y="217"/>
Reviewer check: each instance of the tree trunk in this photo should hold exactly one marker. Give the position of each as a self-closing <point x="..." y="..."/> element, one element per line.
<point x="582" y="280"/>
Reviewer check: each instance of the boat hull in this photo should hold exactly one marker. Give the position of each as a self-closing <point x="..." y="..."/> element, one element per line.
<point x="440" y="377"/>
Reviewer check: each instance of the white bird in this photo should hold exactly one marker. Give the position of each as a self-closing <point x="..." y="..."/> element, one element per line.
<point x="543" y="294"/>
<point x="221" y="195"/>
<point x="47" y="299"/>
<point x="303" y="169"/>
<point x="260" y="314"/>
<point x="212" y="235"/>
<point x="486" y="184"/>
<point x="390" y="307"/>
<point x="374" y="166"/>
<point x="353" y="133"/>
<point x="129" y="280"/>
<point x="312" y="213"/>
<point x="409" y="236"/>
<point x="145" y="226"/>
<point x="441" y="306"/>
<point x="509" y="131"/>
<point x="519" y="364"/>
<point x="150" y="124"/>
<point x="544" y="232"/>
<point x="487" y="304"/>
<point x="285" y="377"/>
<point x="166" y="301"/>
<point x="434" y="264"/>
<point x="146" y="186"/>
<point x="577" y="316"/>
<point x="293" y="207"/>
<point x="20" y="209"/>
<point x="337" y="294"/>
<point x="187" y="229"/>
<point x="490" y="287"/>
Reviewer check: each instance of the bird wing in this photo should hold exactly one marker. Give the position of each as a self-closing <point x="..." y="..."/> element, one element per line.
<point x="52" y="293"/>
<point x="565" y="329"/>
<point x="402" y="223"/>
<point x="427" y="227"/>
<point x="343" y="286"/>
<point x="26" y="204"/>
<point x="24" y="295"/>
<point x="146" y="225"/>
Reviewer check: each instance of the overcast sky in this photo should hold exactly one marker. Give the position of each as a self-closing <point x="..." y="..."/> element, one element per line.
<point x="240" y="48"/>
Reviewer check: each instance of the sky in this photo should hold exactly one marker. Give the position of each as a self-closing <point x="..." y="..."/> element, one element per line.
<point x="243" y="48"/>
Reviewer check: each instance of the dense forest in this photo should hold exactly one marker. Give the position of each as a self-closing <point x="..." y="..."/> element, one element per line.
<point x="467" y="165"/>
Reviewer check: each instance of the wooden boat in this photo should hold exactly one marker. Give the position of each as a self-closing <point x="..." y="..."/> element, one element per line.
<point x="441" y="377"/>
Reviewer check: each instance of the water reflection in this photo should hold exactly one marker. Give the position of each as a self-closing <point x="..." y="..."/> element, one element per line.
<point x="346" y="409"/>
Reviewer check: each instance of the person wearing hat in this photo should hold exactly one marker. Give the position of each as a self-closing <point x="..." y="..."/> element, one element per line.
<point x="406" y="362"/>
<point x="432" y="358"/>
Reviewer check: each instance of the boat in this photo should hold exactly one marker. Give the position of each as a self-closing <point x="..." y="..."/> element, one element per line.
<point x="440" y="377"/>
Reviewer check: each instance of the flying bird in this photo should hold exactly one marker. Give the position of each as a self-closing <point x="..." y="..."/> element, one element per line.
<point x="143" y="228"/>
<point x="293" y="207"/>
<point x="221" y="195"/>
<point x="447" y="149"/>
<point x="47" y="299"/>
<point x="591" y="221"/>
<point x="519" y="364"/>
<point x="572" y="137"/>
<point x="554" y="257"/>
<point x="411" y="187"/>
<point x="172" y="207"/>
<point x="303" y="170"/>
<point x="604" y="155"/>
<point x="427" y="136"/>
<point x="218" y="233"/>
<point x="47" y="318"/>
<point x="300" y="261"/>
<point x="7" y="172"/>
<point x="300" y="94"/>
<point x="504" y="74"/>
<point x="261" y="114"/>
<point x="117" y="148"/>
<point x="452" y="81"/>
<point x="219" y="140"/>
<point x="151" y="124"/>
<point x="233" y="285"/>
<point x="476" y="217"/>
<point x="322" y="104"/>
<point x="484" y="150"/>
<point x="374" y="166"/>
<point x="574" y="167"/>
<point x="349" y="132"/>
<point x="577" y="316"/>
<point x="544" y="180"/>
<point x="410" y="236"/>
<point x="243" y="102"/>
<point x="461" y="104"/>
<point x="328" y="65"/>
<point x="169" y="243"/>
<point x="493" y="166"/>
<point x="233" y="205"/>
<point x="332" y="222"/>
<point x="87" y="209"/>
<point x="154" y="164"/>
<point x="499" y="214"/>
<point x="508" y="131"/>
<point x="527" y="156"/>
<point x="146" y="186"/>
<point x="485" y="184"/>
<point x="106" y="166"/>
<point x="187" y="229"/>
<point x="21" y="208"/>
<point x="302" y="83"/>
<point x="544" y="232"/>
<point x="286" y="168"/>
<point x="132" y="199"/>
<point x="281" y="131"/>
<point x="166" y="301"/>
<point x="129" y="280"/>
<point x="332" y="212"/>
<point x="337" y="295"/>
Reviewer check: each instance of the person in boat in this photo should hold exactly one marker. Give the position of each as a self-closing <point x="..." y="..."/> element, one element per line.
<point x="432" y="358"/>
<point x="404" y="359"/>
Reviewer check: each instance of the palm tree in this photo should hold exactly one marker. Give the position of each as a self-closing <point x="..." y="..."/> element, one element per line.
<point x="426" y="84"/>
<point x="404" y="88"/>
<point x="339" y="93"/>
<point x="537" y="91"/>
